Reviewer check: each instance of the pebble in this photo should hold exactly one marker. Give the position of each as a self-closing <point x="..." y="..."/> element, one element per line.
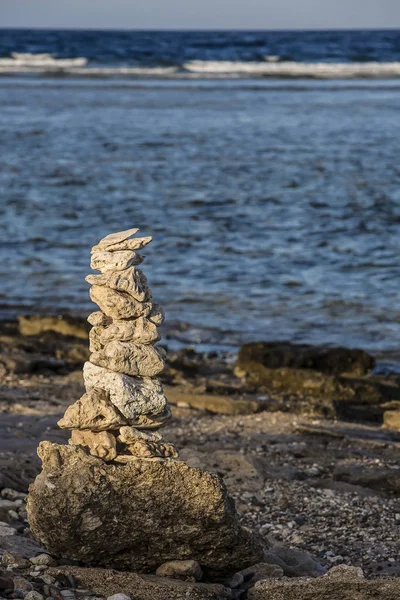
<point x="14" y="561"/>
<point x="33" y="595"/>
<point x="119" y="597"/>
<point x="67" y="594"/>
<point x="9" y="494"/>
<point x="21" y="583"/>
<point x="180" y="569"/>
<point x="43" y="559"/>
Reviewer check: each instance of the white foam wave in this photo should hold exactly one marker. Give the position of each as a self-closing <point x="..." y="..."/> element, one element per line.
<point x="34" y="62"/>
<point x="290" y="69"/>
<point x="198" y="69"/>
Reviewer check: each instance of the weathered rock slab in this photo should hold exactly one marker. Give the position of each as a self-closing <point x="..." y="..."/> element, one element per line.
<point x="325" y="359"/>
<point x="106" y="582"/>
<point x="125" y="516"/>
<point x="340" y="583"/>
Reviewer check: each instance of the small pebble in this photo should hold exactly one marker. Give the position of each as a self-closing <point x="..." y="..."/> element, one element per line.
<point x="119" y="597"/>
<point x="33" y="596"/>
<point x="22" y="584"/>
<point x="43" y="559"/>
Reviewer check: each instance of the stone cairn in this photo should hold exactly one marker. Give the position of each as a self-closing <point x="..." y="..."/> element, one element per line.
<point x="124" y="405"/>
<point x="115" y="496"/>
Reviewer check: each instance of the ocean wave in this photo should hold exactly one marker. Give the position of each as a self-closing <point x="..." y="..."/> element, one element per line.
<point x="39" y="62"/>
<point x="272" y="67"/>
<point x="291" y="69"/>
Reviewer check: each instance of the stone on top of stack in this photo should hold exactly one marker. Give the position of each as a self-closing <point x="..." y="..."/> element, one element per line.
<point x="124" y="404"/>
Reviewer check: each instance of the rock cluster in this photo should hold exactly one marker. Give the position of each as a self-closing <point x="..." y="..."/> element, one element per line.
<point x="124" y="405"/>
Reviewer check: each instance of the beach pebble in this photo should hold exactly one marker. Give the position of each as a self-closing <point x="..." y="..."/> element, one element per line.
<point x="33" y="595"/>
<point x="180" y="569"/>
<point x="119" y="597"/>
<point x="9" y="494"/>
<point x="21" y="583"/>
<point x="14" y="560"/>
<point x="43" y="559"/>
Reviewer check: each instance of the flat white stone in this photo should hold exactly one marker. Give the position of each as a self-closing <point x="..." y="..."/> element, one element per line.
<point x="121" y="241"/>
<point x="129" y="358"/>
<point x="132" y="396"/>
<point x="138" y="331"/>
<point x="118" y="305"/>
<point x="130" y="280"/>
<point x="115" y="238"/>
<point x="114" y="261"/>
<point x="133" y="244"/>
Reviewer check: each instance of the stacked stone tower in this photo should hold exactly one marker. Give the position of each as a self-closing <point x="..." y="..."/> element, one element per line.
<point x="124" y="405"/>
<point x="114" y="497"/>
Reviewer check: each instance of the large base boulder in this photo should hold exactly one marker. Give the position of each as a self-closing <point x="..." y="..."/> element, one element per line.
<point x="135" y="516"/>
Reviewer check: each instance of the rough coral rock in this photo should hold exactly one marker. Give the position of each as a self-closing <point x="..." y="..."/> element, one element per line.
<point x="132" y="396"/>
<point x="130" y="358"/>
<point x="93" y="411"/>
<point x="114" y="261"/>
<point x="125" y="516"/>
<point x="130" y="435"/>
<point x="138" y="331"/>
<point x="118" y="305"/>
<point x="102" y="444"/>
<point x="130" y="280"/>
<point x="99" y="319"/>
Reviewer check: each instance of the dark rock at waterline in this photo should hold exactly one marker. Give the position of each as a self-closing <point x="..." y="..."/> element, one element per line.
<point x="319" y="380"/>
<point x="324" y="359"/>
<point x="63" y="324"/>
<point x="376" y="477"/>
<point x="136" y="516"/>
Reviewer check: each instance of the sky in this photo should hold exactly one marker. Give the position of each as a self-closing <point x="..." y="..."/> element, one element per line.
<point x="201" y="14"/>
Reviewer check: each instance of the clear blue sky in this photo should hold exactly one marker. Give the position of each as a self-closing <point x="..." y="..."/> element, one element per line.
<point x="201" y="14"/>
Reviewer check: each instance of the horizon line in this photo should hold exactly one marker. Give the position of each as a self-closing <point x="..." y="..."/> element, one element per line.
<point x="192" y="29"/>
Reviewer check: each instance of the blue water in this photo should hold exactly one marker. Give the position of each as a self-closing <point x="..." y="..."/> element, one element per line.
<point x="177" y="47"/>
<point x="274" y="204"/>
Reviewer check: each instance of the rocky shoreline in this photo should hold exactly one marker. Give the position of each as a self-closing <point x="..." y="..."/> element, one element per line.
<point x="295" y="432"/>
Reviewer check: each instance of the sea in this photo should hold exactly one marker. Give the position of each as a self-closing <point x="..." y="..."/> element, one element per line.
<point x="265" y="164"/>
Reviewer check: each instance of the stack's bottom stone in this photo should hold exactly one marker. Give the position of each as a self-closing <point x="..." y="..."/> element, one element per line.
<point x="135" y="516"/>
